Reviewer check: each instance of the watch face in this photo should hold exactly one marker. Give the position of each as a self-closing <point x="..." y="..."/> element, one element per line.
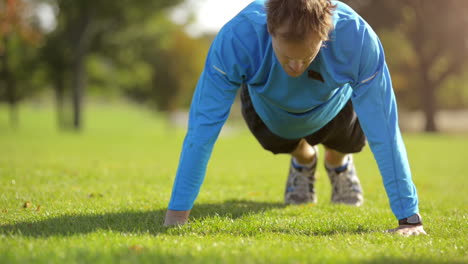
<point x="414" y="219"/>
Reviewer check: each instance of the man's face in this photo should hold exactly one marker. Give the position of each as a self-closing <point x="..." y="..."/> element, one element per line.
<point x="295" y="56"/>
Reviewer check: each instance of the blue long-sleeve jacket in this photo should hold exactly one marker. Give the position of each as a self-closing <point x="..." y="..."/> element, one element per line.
<point x="352" y="64"/>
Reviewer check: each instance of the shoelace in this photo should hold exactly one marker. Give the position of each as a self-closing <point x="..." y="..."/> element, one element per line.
<point x="344" y="183"/>
<point x="299" y="182"/>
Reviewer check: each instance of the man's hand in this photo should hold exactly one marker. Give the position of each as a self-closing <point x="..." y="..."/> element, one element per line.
<point x="408" y="230"/>
<point x="410" y="226"/>
<point x="176" y="217"/>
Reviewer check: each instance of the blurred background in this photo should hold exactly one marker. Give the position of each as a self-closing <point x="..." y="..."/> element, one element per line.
<point x="72" y="54"/>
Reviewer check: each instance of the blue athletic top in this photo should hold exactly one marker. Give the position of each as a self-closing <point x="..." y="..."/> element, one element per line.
<point x="352" y="65"/>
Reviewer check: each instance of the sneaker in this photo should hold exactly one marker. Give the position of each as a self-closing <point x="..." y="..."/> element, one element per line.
<point x="300" y="184"/>
<point x="346" y="186"/>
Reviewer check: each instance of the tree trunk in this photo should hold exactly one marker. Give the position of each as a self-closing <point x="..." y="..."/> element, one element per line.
<point x="59" y="89"/>
<point x="81" y="45"/>
<point x="429" y="102"/>
<point x="78" y="82"/>
<point x="13" y="103"/>
<point x="10" y="84"/>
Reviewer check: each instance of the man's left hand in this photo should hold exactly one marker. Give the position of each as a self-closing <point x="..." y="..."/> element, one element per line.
<point x="410" y="226"/>
<point x="408" y="230"/>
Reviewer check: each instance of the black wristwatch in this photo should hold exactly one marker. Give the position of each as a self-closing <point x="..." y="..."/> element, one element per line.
<point x="412" y="220"/>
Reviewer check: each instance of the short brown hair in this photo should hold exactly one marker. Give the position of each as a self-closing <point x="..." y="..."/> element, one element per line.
<point x="303" y="17"/>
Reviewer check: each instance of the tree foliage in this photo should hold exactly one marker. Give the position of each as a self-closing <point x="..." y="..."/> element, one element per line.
<point x="83" y="27"/>
<point x="153" y="62"/>
<point x="131" y="48"/>
<point x="19" y="35"/>
<point x="433" y="35"/>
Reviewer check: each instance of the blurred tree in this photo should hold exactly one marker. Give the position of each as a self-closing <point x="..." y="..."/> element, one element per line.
<point x="83" y="27"/>
<point x="154" y="62"/>
<point x="56" y="55"/>
<point x="437" y="33"/>
<point x="18" y="33"/>
<point x="175" y="75"/>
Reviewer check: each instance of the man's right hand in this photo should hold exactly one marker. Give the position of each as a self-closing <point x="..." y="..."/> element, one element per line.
<point x="176" y="217"/>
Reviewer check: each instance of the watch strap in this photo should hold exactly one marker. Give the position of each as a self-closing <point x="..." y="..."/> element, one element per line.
<point x="412" y="220"/>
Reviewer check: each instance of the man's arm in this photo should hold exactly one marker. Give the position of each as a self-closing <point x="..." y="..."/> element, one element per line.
<point x="210" y="108"/>
<point x="211" y="104"/>
<point x="375" y="105"/>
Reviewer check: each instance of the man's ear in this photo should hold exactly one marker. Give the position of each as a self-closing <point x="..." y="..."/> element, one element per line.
<point x="269" y="31"/>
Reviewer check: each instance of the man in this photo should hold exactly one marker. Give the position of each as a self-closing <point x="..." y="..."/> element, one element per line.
<point x="308" y="70"/>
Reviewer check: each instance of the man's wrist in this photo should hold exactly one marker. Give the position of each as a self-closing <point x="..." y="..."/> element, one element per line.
<point x="176" y="217"/>
<point x="413" y="220"/>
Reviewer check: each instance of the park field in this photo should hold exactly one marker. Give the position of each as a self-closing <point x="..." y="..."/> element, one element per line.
<point x="99" y="196"/>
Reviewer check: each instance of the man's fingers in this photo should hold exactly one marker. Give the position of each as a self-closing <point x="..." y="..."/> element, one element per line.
<point x="408" y="230"/>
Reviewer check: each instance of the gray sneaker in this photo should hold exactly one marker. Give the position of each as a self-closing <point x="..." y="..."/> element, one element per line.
<point x="346" y="186"/>
<point x="300" y="185"/>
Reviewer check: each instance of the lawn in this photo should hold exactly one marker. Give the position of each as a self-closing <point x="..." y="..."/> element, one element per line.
<point x="100" y="196"/>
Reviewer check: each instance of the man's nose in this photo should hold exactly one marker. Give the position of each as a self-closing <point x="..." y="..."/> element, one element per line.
<point x="296" y="65"/>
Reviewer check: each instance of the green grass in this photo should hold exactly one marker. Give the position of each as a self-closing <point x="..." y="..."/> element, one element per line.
<point x="102" y="195"/>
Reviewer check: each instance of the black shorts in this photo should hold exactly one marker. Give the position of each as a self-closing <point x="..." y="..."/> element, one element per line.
<point x="343" y="133"/>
